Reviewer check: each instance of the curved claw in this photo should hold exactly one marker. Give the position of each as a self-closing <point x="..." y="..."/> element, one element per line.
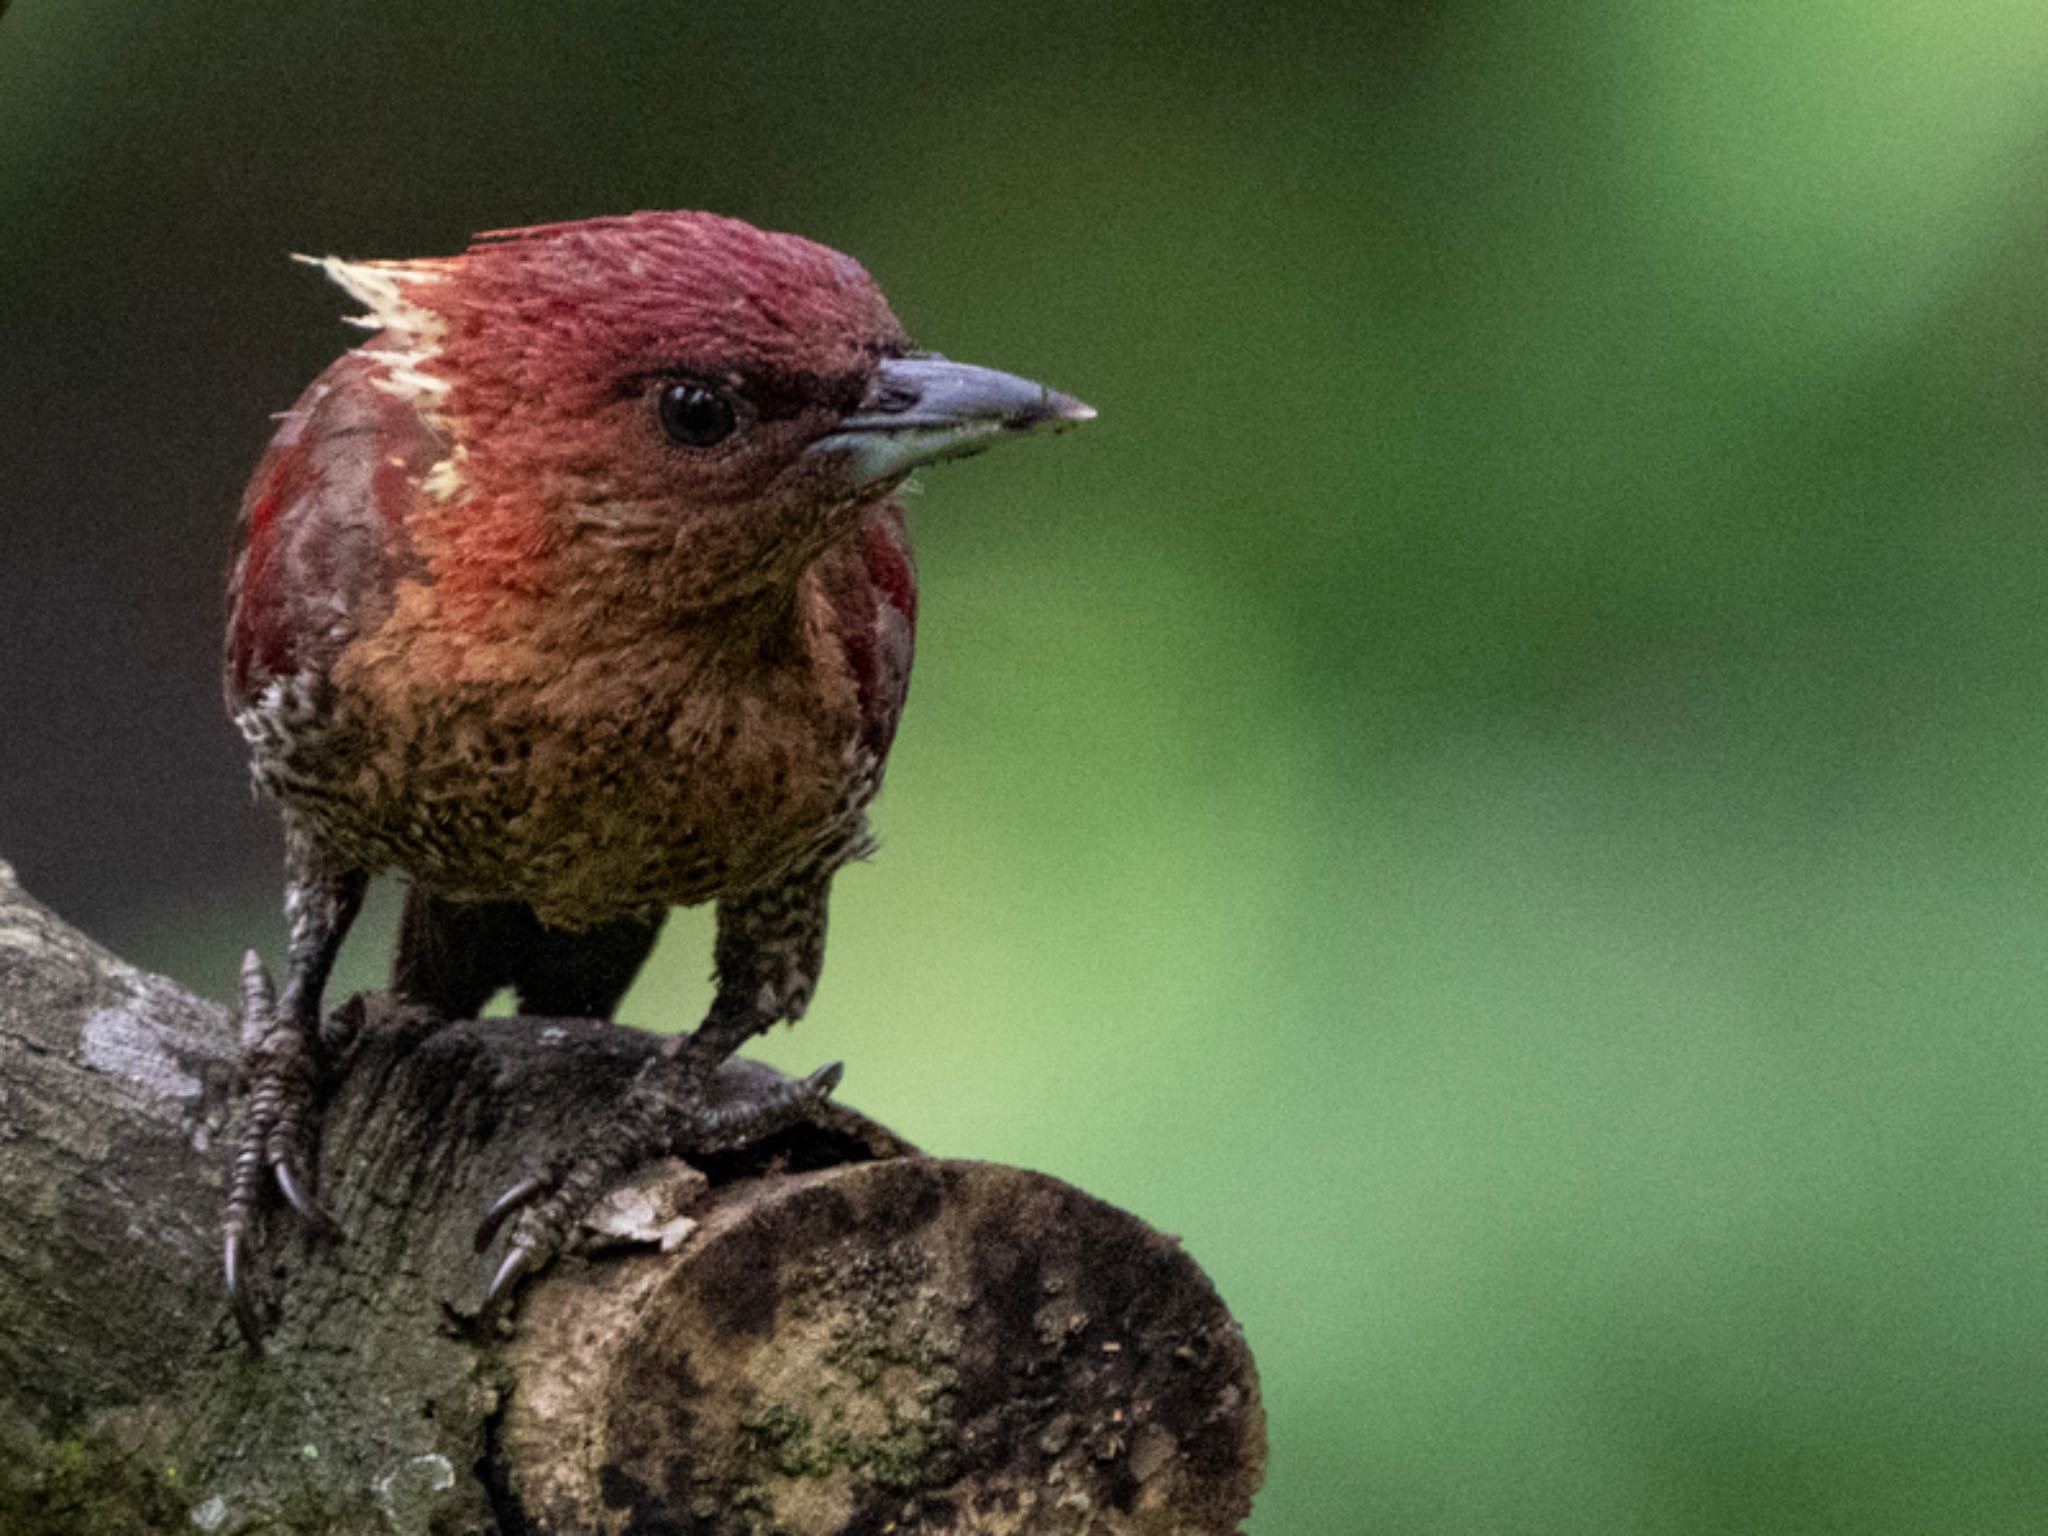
<point x="520" y="1262"/>
<point x="291" y="1184"/>
<point x="506" y="1206"/>
<point x="240" y="1297"/>
<point x="294" y="1191"/>
<point x="674" y="1118"/>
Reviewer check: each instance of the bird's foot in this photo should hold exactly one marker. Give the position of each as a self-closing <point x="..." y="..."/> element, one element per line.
<point x="677" y="1107"/>
<point x="281" y="1065"/>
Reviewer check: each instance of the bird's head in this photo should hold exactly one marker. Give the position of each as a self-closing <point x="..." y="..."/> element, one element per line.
<point x="674" y="407"/>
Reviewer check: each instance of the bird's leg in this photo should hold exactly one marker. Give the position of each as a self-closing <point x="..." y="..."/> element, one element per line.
<point x="771" y="947"/>
<point x="282" y="1061"/>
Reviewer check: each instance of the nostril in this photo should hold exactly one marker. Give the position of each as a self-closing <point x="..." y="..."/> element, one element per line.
<point x="892" y="396"/>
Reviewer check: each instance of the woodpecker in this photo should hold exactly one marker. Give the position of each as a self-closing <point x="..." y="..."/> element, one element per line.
<point x="578" y="592"/>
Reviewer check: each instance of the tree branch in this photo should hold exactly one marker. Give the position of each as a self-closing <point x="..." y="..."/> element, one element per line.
<point x="853" y="1338"/>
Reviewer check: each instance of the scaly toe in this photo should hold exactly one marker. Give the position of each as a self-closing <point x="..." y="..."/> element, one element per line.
<point x="724" y="1125"/>
<point x="659" y="1117"/>
<point x="280" y="1068"/>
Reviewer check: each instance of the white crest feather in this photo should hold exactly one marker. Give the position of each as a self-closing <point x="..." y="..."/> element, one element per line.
<point x="382" y="288"/>
<point x="412" y="335"/>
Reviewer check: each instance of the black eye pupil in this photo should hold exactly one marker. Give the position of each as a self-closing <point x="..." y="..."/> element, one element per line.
<point x="695" y="416"/>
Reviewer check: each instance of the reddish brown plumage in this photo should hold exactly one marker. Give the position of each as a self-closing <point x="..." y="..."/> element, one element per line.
<point x="549" y="338"/>
<point x="515" y="597"/>
<point x="323" y="523"/>
<point x="520" y="369"/>
<point x="576" y="593"/>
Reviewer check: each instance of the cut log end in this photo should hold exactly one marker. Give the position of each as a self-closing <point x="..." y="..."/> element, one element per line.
<point x="896" y="1346"/>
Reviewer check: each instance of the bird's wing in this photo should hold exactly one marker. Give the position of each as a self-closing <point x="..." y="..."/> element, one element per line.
<point x="323" y="529"/>
<point x="873" y="589"/>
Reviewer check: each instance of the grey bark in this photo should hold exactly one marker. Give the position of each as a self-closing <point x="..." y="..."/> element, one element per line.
<point x="848" y="1337"/>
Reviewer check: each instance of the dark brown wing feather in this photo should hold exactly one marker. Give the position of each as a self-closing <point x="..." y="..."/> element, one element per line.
<point x="322" y="530"/>
<point x="453" y="956"/>
<point x="873" y="588"/>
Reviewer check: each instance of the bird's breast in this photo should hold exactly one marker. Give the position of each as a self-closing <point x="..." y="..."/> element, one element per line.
<point x="613" y="781"/>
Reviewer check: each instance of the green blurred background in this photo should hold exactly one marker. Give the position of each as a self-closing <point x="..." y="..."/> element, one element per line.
<point x="1502" y="790"/>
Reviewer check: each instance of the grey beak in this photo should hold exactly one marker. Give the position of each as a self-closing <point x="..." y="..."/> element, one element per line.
<point x="920" y="410"/>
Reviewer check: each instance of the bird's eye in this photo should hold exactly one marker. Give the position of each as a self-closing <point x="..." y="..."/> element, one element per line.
<point x="696" y="416"/>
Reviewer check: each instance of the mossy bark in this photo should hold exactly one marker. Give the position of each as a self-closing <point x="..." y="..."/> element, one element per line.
<point x="853" y="1339"/>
